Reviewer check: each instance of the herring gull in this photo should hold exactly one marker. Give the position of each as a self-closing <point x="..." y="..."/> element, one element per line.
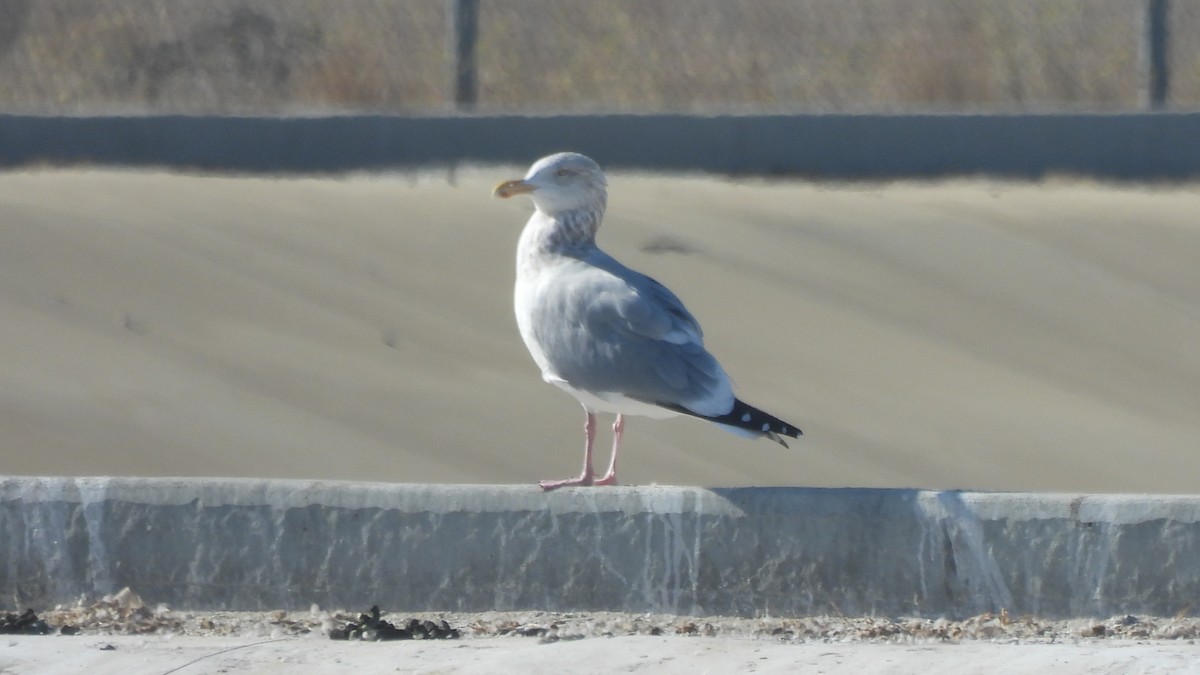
<point x="615" y="339"/>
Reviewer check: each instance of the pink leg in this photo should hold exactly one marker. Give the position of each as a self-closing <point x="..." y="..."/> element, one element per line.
<point x="610" y="477"/>
<point x="584" y="478"/>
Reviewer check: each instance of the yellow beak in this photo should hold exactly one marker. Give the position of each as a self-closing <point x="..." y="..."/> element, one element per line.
<point x="512" y="187"/>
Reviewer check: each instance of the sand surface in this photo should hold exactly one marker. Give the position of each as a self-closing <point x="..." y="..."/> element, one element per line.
<point x="691" y="656"/>
<point x="970" y="334"/>
<point x="119" y="640"/>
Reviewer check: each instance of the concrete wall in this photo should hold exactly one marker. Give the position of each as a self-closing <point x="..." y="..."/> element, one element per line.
<point x="253" y="544"/>
<point x="1122" y="146"/>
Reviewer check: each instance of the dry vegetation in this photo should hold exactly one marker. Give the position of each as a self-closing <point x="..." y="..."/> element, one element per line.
<point x="269" y="56"/>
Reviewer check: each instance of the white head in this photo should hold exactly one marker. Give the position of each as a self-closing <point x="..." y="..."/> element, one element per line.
<point x="560" y="184"/>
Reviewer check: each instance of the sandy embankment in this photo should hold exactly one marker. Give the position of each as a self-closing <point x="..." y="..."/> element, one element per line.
<point x="961" y="335"/>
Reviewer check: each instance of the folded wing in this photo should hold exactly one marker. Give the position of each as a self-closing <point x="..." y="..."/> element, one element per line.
<point x="605" y="328"/>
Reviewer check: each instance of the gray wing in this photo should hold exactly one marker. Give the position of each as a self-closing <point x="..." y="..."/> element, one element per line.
<point x="606" y="328"/>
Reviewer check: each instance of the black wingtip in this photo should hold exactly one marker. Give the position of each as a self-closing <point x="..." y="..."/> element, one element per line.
<point x="747" y="417"/>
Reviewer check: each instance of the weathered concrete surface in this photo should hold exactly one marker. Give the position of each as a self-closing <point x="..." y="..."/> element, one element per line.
<point x="1135" y="145"/>
<point x="255" y="544"/>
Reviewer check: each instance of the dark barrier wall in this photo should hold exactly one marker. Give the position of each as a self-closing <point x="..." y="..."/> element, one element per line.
<point x="1129" y="146"/>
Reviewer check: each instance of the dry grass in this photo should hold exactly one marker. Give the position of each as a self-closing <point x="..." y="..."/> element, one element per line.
<point x="271" y="56"/>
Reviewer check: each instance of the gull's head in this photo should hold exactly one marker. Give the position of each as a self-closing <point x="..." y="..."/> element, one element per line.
<point x="560" y="183"/>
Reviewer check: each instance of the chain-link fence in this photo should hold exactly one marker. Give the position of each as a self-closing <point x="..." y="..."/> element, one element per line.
<point x="531" y="56"/>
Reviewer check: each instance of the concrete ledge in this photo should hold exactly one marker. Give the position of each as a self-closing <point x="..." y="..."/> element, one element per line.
<point x="254" y="544"/>
<point x="1139" y="146"/>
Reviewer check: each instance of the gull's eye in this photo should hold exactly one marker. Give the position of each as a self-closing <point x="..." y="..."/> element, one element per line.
<point x="563" y="173"/>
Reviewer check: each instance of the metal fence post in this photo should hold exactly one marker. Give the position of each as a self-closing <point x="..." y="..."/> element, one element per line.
<point x="1155" y="73"/>
<point x="463" y="30"/>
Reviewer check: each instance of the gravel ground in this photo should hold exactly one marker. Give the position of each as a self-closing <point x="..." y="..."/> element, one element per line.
<point x="121" y="634"/>
<point x="125" y="613"/>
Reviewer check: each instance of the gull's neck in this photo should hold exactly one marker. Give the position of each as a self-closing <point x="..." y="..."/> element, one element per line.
<point x="564" y="233"/>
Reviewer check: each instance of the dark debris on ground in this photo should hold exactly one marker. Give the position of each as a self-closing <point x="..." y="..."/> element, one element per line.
<point x="372" y="627"/>
<point x="28" y="623"/>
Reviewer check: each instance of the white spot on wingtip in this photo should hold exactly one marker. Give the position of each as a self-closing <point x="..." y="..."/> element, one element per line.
<point x="746" y="417"/>
<point x="766" y="427"/>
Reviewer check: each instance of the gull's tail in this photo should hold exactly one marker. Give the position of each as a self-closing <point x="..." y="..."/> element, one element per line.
<point x="746" y="420"/>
